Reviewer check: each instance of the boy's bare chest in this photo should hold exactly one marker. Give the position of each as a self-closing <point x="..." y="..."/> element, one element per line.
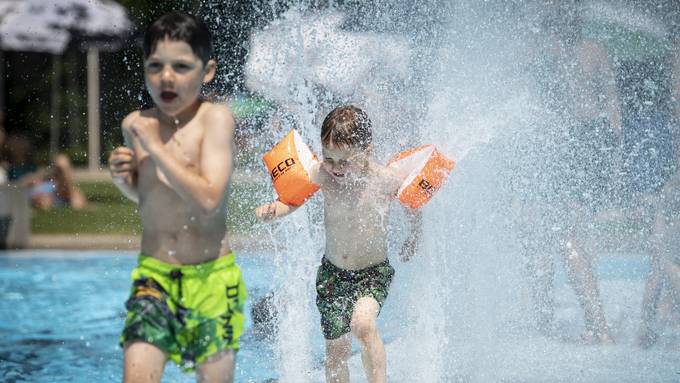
<point x="347" y="206"/>
<point x="183" y="145"/>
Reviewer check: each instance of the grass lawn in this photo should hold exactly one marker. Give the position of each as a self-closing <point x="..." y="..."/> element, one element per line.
<point x="108" y="212"/>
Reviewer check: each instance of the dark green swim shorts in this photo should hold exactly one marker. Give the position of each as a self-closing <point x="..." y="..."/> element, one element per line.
<point x="338" y="290"/>
<point x="189" y="311"/>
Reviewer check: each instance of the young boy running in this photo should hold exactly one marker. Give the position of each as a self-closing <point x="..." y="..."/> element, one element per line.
<point x="187" y="295"/>
<point x="355" y="274"/>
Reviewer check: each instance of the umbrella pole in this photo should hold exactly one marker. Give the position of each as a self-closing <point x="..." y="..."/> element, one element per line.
<point x="93" y="146"/>
<point x="55" y="101"/>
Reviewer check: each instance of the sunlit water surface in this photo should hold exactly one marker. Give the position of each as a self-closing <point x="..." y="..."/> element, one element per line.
<point x="61" y="314"/>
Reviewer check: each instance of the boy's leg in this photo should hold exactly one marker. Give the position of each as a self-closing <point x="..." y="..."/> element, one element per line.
<point x="364" y="327"/>
<point x="218" y="368"/>
<point x="143" y="362"/>
<point x="337" y="354"/>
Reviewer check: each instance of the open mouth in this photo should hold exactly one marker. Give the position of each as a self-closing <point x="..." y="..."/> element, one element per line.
<point x="339" y="175"/>
<point x="168" y="96"/>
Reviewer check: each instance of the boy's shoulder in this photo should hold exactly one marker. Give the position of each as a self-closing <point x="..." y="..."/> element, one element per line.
<point x="216" y="123"/>
<point x="211" y="113"/>
<point x="389" y="179"/>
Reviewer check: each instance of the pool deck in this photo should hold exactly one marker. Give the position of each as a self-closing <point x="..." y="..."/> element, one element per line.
<point x="83" y="242"/>
<point x="124" y="242"/>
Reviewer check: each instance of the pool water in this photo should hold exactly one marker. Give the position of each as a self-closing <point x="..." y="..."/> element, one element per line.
<point x="61" y="314"/>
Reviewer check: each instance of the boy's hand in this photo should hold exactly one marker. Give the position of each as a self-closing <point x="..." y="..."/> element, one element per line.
<point x="408" y="249"/>
<point x="148" y="132"/>
<point x="122" y="162"/>
<point x="266" y="212"/>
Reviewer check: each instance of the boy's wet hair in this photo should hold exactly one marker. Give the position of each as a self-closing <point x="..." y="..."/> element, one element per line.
<point x="347" y="127"/>
<point x="180" y="27"/>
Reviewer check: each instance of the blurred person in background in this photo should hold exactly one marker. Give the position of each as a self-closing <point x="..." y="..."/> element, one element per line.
<point x="58" y="188"/>
<point x="662" y="290"/>
<point x="49" y="187"/>
<point x="576" y="81"/>
<point x="661" y="300"/>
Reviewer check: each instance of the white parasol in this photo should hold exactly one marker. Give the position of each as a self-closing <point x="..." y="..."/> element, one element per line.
<point x="50" y="26"/>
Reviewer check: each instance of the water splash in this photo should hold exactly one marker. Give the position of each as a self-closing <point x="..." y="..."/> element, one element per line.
<point x="461" y="76"/>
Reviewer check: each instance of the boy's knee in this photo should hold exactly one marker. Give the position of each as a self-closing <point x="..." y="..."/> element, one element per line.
<point x="363" y="328"/>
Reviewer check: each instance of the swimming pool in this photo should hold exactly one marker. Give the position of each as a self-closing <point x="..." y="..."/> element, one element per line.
<point x="61" y="314"/>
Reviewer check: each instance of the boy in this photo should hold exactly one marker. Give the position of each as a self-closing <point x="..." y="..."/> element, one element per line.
<point x="354" y="277"/>
<point x="187" y="295"/>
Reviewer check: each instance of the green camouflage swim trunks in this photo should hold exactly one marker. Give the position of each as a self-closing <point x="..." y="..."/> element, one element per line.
<point x="189" y="311"/>
<point x="337" y="290"/>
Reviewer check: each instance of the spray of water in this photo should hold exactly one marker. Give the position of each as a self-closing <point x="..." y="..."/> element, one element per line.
<point x="464" y="77"/>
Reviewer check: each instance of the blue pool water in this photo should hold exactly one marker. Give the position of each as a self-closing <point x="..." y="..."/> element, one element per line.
<point x="61" y="315"/>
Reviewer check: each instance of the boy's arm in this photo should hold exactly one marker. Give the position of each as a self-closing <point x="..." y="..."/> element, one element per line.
<point x="271" y="211"/>
<point x="415" y="225"/>
<point x="204" y="191"/>
<point x="393" y="182"/>
<point x="277" y="209"/>
<point x="123" y="166"/>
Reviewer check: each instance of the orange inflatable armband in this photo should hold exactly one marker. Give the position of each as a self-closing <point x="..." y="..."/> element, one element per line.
<point x="425" y="169"/>
<point x="289" y="163"/>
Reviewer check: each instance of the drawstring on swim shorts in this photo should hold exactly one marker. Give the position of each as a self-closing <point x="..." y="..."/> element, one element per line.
<point x="176" y="274"/>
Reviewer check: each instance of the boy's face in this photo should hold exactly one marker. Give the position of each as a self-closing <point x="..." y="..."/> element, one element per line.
<point x="344" y="164"/>
<point x="174" y="76"/>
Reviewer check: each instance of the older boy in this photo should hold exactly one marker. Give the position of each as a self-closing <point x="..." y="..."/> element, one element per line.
<point x="187" y="296"/>
<point x="355" y="274"/>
